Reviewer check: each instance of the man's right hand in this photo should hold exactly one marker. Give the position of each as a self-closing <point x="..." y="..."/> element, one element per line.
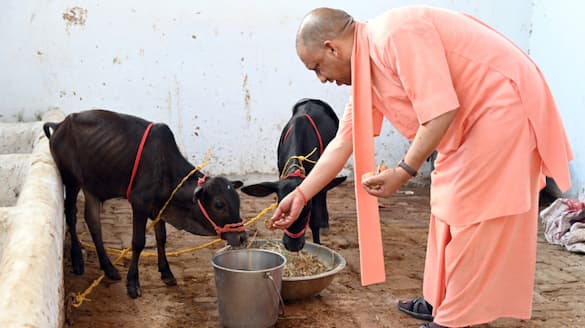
<point x="288" y="210"/>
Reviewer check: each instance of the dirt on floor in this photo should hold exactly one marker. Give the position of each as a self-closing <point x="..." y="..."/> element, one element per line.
<point x="557" y="297"/>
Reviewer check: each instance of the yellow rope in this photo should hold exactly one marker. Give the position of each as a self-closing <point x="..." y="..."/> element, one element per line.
<point x="197" y="168"/>
<point x="188" y="250"/>
<point x="79" y="298"/>
<point x="301" y="159"/>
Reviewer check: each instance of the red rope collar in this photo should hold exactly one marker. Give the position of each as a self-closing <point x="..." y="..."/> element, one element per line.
<point x="229" y="227"/>
<point x="300" y="233"/>
<point x="137" y="159"/>
<point x="235" y="227"/>
<point x="314" y="128"/>
<point x="299" y="174"/>
<point x="316" y="132"/>
<point x="296" y="173"/>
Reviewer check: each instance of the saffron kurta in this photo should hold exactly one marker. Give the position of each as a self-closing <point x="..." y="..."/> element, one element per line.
<point x="506" y="136"/>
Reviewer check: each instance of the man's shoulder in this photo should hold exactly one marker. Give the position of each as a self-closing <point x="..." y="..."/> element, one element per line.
<point x="405" y="19"/>
<point x="393" y="19"/>
<point x="405" y="15"/>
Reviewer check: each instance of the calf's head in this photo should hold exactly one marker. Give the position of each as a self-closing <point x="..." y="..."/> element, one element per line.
<point x="294" y="236"/>
<point x="219" y="203"/>
<point x="214" y="209"/>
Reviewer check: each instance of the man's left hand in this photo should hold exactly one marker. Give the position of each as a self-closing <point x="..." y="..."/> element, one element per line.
<point x="385" y="183"/>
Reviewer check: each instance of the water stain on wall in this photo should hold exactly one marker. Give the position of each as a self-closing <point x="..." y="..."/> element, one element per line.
<point x="179" y="109"/>
<point x="246" y="97"/>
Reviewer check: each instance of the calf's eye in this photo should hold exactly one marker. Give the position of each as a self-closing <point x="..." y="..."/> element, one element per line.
<point x="219" y="205"/>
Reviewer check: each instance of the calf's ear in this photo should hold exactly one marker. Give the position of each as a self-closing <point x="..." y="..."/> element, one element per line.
<point x="261" y="189"/>
<point x="334" y="183"/>
<point x="236" y="183"/>
<point x="197" y="193"/>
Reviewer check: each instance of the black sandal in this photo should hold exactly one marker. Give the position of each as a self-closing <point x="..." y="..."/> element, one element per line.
<point x="417" y="308"/>
<point x="434" y="325"/>
<point x="431" y="325"/>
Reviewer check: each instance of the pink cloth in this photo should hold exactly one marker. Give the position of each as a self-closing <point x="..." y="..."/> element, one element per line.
<point x="491" y="163"/>
<point x="369" y="232"/>
<point x="477" y="273"/>
<point x="425" y="62"/>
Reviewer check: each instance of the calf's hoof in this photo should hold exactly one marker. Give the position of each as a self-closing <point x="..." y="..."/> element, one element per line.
<point x="112" y="274"/>
<point x="77" y="263"/>
<point x="78" y="268"/>
<point x="168" y="278"/>
<point x="134" y="291"/>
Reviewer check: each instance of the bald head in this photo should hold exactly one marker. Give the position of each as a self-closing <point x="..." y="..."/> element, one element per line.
<point x="323" y="24"/>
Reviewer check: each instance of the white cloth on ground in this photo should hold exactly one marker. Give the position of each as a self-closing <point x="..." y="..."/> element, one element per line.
<point x="564" y="224"/>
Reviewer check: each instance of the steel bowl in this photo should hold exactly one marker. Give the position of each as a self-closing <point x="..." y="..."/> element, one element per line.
<point x="297" y="288"/>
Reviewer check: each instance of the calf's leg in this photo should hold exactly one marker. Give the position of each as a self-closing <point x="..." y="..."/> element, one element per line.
<point x="319" y="216"/>
<point x="163" y="265"/>
<point x="138" y="239"/>
<point x="71" y="191"/>
<point x="92" y="218"/>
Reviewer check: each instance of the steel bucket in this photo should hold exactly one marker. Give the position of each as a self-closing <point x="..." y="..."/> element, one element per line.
<point x="248" y="284"/>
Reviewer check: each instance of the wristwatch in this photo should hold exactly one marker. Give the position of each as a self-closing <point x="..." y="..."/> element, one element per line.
<point x="407" y="168"/>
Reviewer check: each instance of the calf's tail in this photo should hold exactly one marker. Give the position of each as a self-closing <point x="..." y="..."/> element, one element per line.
<point x="48" y="126"/>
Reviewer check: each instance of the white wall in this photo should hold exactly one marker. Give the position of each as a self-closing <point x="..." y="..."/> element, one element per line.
<point x="557" y="46"/>
<point x="223" y="74"/>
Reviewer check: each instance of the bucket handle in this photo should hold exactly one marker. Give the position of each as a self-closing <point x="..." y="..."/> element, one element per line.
<point x="281" y="303"/>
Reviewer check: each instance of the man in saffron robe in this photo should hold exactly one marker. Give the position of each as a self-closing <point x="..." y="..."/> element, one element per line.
<point x="450" y="83"/>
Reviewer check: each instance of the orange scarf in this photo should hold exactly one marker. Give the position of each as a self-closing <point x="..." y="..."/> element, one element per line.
<point x="368" y="217"/>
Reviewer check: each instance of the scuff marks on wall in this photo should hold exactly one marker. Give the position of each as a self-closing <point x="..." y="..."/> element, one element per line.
<point x="170" y="101"/>
<point x="246" y="97"/>
<point x="117" y="60"/>
<point x="75" y="16"/>
<point x="174" y="105"/>
<point x="70" y="95"/>
<point x="246" y="91"/>
<point x="197" y="128"/>
<point x="41" y="56"/>
<point x="179" y="108"/>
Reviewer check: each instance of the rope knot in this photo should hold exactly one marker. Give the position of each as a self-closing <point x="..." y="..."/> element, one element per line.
<point x="300" y="159"/>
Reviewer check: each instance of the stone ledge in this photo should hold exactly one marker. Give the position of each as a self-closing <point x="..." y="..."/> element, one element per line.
<point x="31" y="239"/>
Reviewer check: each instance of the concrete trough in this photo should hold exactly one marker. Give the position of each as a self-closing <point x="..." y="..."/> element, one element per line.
<point x="31" y="228"/>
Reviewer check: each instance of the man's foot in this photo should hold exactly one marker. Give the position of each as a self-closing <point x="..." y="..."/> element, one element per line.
<point x="417" y="308"/>
<point x="432" y="325"/>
